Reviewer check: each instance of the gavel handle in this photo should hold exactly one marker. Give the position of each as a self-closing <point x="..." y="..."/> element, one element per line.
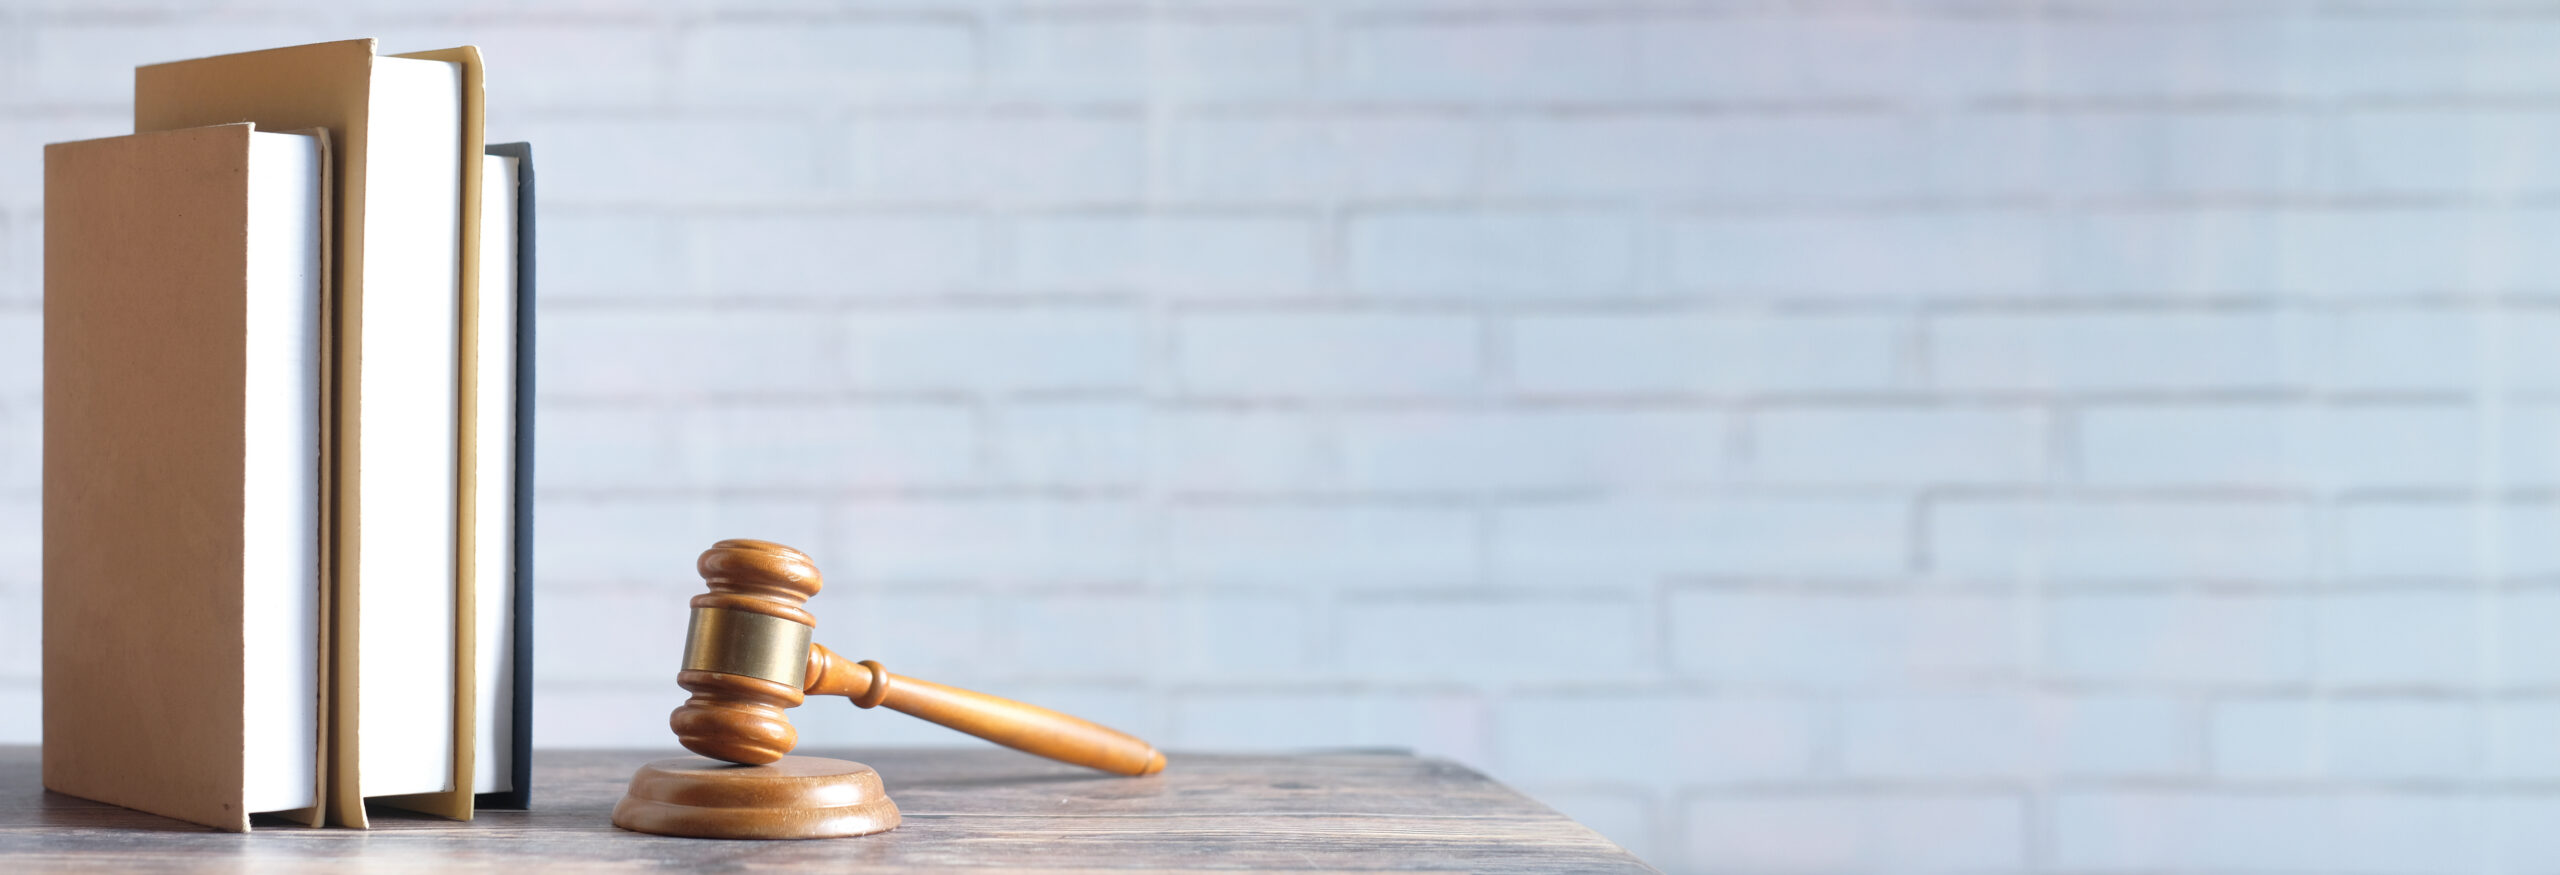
<point x="1027" y="728"/>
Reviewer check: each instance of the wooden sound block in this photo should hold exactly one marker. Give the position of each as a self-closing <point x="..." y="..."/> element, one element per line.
<point x="790" y="798"/>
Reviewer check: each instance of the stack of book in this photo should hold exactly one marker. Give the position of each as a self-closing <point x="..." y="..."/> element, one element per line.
<point x="287" y="444"/>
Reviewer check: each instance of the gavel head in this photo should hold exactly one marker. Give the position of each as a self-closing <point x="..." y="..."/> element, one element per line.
<point x="746" y="654"/>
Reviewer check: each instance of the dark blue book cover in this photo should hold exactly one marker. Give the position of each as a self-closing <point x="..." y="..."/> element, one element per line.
<point x="521" y="737"/>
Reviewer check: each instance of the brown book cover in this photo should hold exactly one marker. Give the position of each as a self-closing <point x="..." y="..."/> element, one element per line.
<point x="340" y="87"/>
<point x="184" y="432"/>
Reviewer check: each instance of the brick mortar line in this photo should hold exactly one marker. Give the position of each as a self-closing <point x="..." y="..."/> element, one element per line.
<point x="1004" y="103"/>
<point x="1514" y="11"/>
<point x="1635" y="205"/>
<point x="2031" y="794"/>
<point x="955" y="397"/>
<point x="1654" y="210"/>
<point x="1777" y="308"/>
<point x="1751" y="407"/>
<point x="1590" y="493"/>
<point x="1923" y="586"/>
<point x="1933" y="497"/>
<point x="1181" y="586"/>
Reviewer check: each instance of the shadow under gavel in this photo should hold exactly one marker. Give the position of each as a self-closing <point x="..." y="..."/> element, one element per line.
<point x="747" y="656"/>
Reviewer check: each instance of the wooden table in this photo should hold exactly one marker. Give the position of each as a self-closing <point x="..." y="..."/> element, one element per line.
<point x="977" y="808"/>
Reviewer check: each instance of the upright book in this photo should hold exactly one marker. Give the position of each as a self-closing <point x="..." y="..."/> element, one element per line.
<point x="289" y="535"/>
<point x="185" y="274"/>
<point x="408" y="188"/>
<point x="502" y="481"/>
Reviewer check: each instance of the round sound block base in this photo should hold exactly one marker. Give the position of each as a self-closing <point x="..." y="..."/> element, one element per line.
<point x="791" y="798"/>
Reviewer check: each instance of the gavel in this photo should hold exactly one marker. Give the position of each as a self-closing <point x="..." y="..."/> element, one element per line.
<point x="747" y="656"/>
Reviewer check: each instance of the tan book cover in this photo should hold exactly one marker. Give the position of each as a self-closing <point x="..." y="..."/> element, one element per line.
<point x="184" y="433"/>
<point x="334" y="86"/>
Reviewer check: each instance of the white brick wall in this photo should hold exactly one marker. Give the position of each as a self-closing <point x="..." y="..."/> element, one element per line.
<point x="2037" y="435"/>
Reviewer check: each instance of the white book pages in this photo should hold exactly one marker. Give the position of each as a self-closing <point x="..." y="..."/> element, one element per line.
<point x="408" y="425"/>
<point x="493" y="513"/>
<point x="280" y="472"/>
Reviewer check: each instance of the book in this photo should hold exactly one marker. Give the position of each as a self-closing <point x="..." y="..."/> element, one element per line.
<point x="185" y="281"/>
<point x="377" y="452"/>
<point x="503" y="481"/>
<point x="407" y="132"/>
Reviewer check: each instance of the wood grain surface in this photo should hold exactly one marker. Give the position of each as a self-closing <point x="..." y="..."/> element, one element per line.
<point x="964" y="809"/>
